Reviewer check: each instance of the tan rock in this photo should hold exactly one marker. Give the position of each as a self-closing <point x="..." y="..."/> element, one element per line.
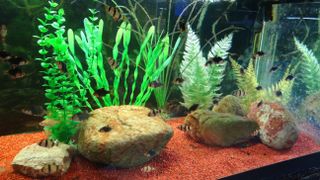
<point x="122" y="136"/>
<point x="219" y="129"/>
<point x="37" y="161"/>
<point x="230" y="104"/>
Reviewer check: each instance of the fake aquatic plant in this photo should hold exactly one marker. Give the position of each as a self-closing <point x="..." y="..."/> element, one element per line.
<point x="60" y="86"/>
<point x="248" y="83"/>
<point x="310" y="68"/>
<point x="151" y="59"/>
<point x="202" y="83"/>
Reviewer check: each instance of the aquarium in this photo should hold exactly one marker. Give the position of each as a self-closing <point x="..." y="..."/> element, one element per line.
<point x="175" y="89"/>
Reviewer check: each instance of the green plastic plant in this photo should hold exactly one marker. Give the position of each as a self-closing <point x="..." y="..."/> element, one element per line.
<point x="201" y="83"/>
<point x="60" y="90"/>
<point x="310" y="68"/>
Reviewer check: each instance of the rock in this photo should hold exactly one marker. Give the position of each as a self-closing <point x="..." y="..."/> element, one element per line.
<point x="277" y="125"/>
<point x="230" y="104"/>
<point x="310" y="109"/>
<point x="37" y="161"/>
<point x="219" y="129"/>
<point x="122" y="136"/>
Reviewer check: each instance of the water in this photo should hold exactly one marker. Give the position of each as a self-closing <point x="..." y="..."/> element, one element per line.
<point x="174" y="56"/>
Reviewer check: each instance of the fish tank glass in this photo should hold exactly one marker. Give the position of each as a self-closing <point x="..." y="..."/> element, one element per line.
<point x="165" y="89"/>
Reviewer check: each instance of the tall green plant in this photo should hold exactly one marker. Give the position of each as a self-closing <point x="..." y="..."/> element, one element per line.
<point x="63" y="102"/>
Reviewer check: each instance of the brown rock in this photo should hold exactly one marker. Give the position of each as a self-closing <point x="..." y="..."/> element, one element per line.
<point x="230" y="104"/>
<point x="277" y="125"/>
<point x="219" y="129"/>
<point x="122" y="136"/>
<point x="37" y="161"/>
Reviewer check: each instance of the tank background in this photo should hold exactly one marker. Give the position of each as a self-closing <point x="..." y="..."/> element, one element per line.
<point x="22" y="25"/>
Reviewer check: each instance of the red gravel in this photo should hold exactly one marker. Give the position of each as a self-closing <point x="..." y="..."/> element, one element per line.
<point x="181" y="159"/>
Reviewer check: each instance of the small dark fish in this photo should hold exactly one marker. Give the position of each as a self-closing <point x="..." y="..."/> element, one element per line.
<point x="214" y="60"/>
<point x="178" y="80"/>
<point x="274" y="68"/>
<point x="48" y="143"/>
<point x="101" y="92"/>
<point x="278" y="93"/>
<point x="5" y="55"/>
<point x="113" y="63"/>
<point x="182" y="26"/>
<point x="234" y="55"/>
<point x="51" y="168"/>
<point x="289" y="77"/>
<point x="154" y="112"/>
<point x="239" y="93"/>
<point x="114" y="12"/>
<point x="81" y="116"/>
<point x="258" y="54"/>
<point x="259" y="88"/>
<point x="260" y="104"/>
<point x="242" y="71"/>
<point x="16" y="73"/>
<point x="184" y="127"/>
<point x="37" y="111"/>
<point x="17" y="61"/>
<point x="155" y="84"/>
<point x="193" y="107"/>
<point x="215" y="101"/>
<point x="62" y="67"/>
<point x="105" y="129"/>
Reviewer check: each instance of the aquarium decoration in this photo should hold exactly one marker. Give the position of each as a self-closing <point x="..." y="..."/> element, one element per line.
<point x="310" y="68"/>
<point x="202" y="81"/>
<point x="61" y="86"/>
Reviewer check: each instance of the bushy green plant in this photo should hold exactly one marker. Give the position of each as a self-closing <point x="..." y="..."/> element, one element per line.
<point x="201" y="83"/>
<point x="60" y="88"/>
<point x="310" y="68"/>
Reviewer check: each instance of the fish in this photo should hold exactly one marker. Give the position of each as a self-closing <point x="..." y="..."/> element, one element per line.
<point x="182" y="26"/>
<point x="214" y="60"/>
<point x="48" y="143"/>
<point x="193" y="107"/>
<point x="260" y="104"/>
<point x="233" y="55"/>
<point x="278" y="93"/>
<point x="101" y="92"/>
<point x="289" y="77"/>
<point x="274" y="68"/>
<point x="5" y="55"/>
<point x="178" y="80"/>
<point x="155" y="84"/>
<point x="258" y="88"/>
<point x="62" y="66"/>
<point x="3" y="33"/>
<point x="48" y="122"/>
<point x="239" y="93"/>
<point x="154" y="112"/>
<point x="258" y="54"/>
<point x="150" y="153"/>
<point x="51" y="168"/>
<point x="36" y="111"/>
<point x="215" y="101"/>
<point x="242" y="71"/>
<point x="105" y="129"/>
<point x="16" y="73"/>
<point x="113" y="63"/>
<point x="114" y="12"/>
<point x="184" y="127"/>
<point x="175" y="109"/>
<point x="17" y="61"/>
<point x="81" y="116"/>
<point x="147" y="169"/>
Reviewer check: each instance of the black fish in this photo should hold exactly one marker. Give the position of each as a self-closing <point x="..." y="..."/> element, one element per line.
<point x="17" y="61"/>
<point x="48" y="143"/>
<point x="258" y="88"/>
<point x="234" y="55"/>
<point x="274" y="68"/>
<point x="154" y="112"/>
<point x="16" y="73"/>
<point x="114" y="12"/>
<point x="51" y="168"/>
<point x="258" y="54"/>
<point x="278" y="93"/>
<point x="182" y="26"/>
<point x="105" y="129"/>
<point x="184" y="127"/>
<point x="101" y="92"/>
<point x="178" y="80"/>
<point x="215" y="101"/>
<point x="37" y="111"/>
<point x="62" y="67"/>
<point x="214" y="60"/>
<point x="81" y="116"/>
<point x="239" y="93"/>
<point x="193" y="107"/>
<point x="5" y="55"/>
<point x="260" y="104"/>
<point x="113" y="63"/>
<point x="289" y="77"/>
<point x="155" y="84"/>
<point x="242" y="71"/>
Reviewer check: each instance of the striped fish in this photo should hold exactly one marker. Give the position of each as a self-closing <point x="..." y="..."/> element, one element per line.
<point x="113" y="63"/>
<point x="114" y="12"/>
<point x="51" y="169"/>
<point x="48" y="143"/>
<point x="184" y="127"/>
<point x="239" y="93"/>
<point x="154" y="112"/>
<point x="147" y="169"/>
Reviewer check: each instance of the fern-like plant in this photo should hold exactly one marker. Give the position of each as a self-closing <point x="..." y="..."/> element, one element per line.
<point x="310" y="68"/>
<point x="202" y="83"/>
